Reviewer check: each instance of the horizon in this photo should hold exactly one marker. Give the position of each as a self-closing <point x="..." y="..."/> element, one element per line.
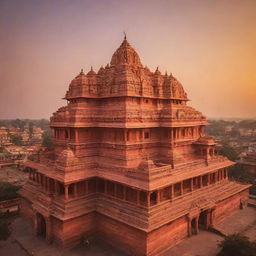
<point x="209" y="47"/>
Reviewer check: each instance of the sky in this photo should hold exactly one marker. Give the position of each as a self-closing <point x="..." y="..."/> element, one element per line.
<point x="209" y="46"/>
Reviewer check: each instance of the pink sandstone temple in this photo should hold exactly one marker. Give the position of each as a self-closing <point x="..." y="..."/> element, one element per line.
<point x="131" y="164"/>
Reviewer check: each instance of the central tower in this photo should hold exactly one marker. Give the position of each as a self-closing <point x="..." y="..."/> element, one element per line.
<point x="130" y="163"/>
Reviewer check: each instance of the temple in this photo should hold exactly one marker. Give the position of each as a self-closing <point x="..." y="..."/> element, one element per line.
<point x="131" y="164"/>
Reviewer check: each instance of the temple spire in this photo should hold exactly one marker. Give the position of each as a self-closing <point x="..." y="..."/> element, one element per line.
<point x="124" y="35"/>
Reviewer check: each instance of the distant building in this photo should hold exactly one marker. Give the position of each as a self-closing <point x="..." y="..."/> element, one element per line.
<point x="131" y="163"/>
<point x="4" y="137"/>
<point x="37" y="134"/>
<point x="248" y="162"/>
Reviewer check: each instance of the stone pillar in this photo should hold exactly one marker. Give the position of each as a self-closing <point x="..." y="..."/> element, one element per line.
<point x="148" y="198"/>
<point x="181" y="188"/>
<point x="66" y="191"/>
<point x="172" y="134"/>
<point x="200" y="181"/>
<point x="212" y="215"/>
<point x="69" y="133"/>
<point x="172" y="191"/>
<point x="48" y="229"/>
<point x="191" y="184"/>
<point x="197" y="228"/>
<point x="189" y="226"/>
<point x="208" y="179"/>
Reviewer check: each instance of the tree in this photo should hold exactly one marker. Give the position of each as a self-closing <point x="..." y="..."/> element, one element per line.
<point x="237" y="245"/>
<point x="228" y="151"/>
<point x="16" y="139"/>
<point x="47" y="142"/>
<point x="8" y="191"/>
<point x="30" y="129"/>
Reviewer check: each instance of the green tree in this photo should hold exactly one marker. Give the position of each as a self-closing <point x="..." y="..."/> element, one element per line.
<point x="16" y="139"/>
<point x="30" y="129"/>
<point x="228" y="151"/>
<point x="237" y="245"/>
<point x="47" y="142"/>
<point x="8" y="191"/>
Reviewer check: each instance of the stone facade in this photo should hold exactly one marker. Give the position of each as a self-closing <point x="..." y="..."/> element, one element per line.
<point x="131" y="163"/>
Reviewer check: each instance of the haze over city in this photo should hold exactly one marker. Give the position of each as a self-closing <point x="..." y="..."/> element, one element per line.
<point x="209" y="46"/>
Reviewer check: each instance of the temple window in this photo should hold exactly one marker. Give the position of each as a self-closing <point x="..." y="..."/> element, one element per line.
<point x="177" y="190"/>
<point x="146" y="135"/>
<point x="110" y="188"/>
<point x="91" y="186"/>
<point x="196" y="182"/>
<point x="71" y="190"/>
<point x="131" y="195"/>
<point x="187" y="186"/>
<point x="101" y="186"/>
<point x="143" y="198"/>
<point x="153" y="197"/>
<point x="119" y="191"/>
<point x="205" y="180"/>
<point x="212" y="178"/>
<point x="128" y="135"/>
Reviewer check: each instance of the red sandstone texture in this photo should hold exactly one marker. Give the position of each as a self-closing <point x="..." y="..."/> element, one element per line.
<point x="131" y="163"/>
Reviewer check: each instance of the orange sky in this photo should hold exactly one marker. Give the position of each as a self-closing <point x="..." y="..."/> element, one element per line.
<point x="210" y="46"/>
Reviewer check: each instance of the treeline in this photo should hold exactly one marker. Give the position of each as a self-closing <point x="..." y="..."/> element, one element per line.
<point x="25" y="123"/>
<point x="217" y="127"/>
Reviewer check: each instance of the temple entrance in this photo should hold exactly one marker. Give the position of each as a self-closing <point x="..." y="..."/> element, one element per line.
<point x="202" y="222"/>
<point x="193" y="227"/>
<point x="41" y="225"/>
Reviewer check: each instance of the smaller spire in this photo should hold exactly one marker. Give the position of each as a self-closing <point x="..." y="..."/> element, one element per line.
<point x="157" y="71"/>
<point x="166" y="73"/>
<point x="82" y="72"/>
<point x="91" y="68"/>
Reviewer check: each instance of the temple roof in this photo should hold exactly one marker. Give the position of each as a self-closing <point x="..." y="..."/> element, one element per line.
<point x="125" y="55"/>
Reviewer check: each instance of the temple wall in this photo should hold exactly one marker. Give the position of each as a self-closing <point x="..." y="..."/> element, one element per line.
<point x="124" y="237"/>
<point x="71" y="232"/>
<point x="26" y="209"/>
<point x="226" y="207"/>
<point x="167" y="236"/>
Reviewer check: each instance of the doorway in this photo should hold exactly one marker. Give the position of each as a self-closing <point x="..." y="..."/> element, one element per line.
<point x="202" y="222"/>
<point x="193" y="227"/>
<point x="41" y="225"/>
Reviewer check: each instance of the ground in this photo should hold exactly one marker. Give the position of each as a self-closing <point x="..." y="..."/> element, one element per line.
<point x="13" y="175"/>
<point x="23" y="242"/>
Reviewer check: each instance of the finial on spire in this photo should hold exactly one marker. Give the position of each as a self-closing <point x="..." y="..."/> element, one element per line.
<point x="91" y="68"/>
<point x="124" y="35"/>
<point x="82" y="71"/>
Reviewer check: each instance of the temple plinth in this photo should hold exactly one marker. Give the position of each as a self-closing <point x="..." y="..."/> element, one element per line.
<point x="131" y="163"/>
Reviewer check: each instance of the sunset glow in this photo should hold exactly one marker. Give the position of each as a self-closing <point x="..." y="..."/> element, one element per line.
<point x="209" y="46"/>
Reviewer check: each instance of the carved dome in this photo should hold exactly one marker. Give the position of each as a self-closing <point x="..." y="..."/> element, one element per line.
<point x="125" y="55"/>
<point x="79" y="79"/>
<point x="177" y="89"/>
